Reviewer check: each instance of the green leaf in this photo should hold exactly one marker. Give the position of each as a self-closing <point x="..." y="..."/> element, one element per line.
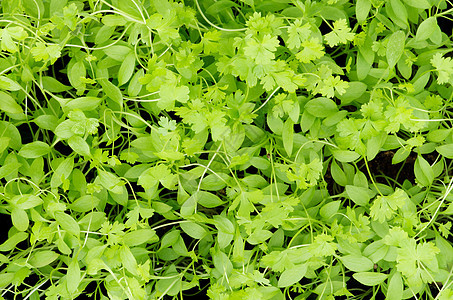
<point x="444" y="67"/>
<point x="53" y="85"/>
<point x="395" y="48"/>
<point x="360" y="195"/>
<point x="83" y="103"/>
<point x="93" y="220"/>
<point x="193" y="230"/>
<point x="363" y="66"/>
<point x="445" y="256"/>
<point x="79" y="145"/>
<point x="188" y="207"/>
<point x="9" y="130"/>
<point x="438" y="135"/>
<point x="275" y="124"/>
<point x="370" y="278"/>
<point x="106" y="31"/>
<point x="426" y="29"/>
<point x="259" y="236"/>
<point x="169" y="239"/>
<point x="345" y="155"/>
<point x="126" y="69"/>
<point x="8" y="43"/>
<point x="362" y="9"/>
<point x="385" y="207"/>
<point x="445" y="150"/>
<point x="34" y="150"/>
<point x="117" y="52"/>
<point x="85" y="203"/>
<point x="340" y="34"/>
<point x="114" y="20"/>
<point x="357" y="263"/>
<point x="128" y="260"/>
<point x="112" y="91"/>
<point x="9" y="105"/>
<point x="292" y="275"/>
<point x="62" y="172"/>
<point x="400" y="155"/>
<point x="169" y="94"/>
<point x="75" y="74"/>
<point x="135" y="86"/>
<point x="43" y="258"/>
<point x="110" y="181"/>
<point x="26" y="201"/>
<point x="398" y="13"/>
<point x="328" y="210"/>
<point x="4" y="143"/>
<point x="355" y="90"/>
<point x="395" y="287"/>
<point x="9" y="84"/>
<point x="6" y="279"/>
<point x="12" y="241"/>
<point x="20" y="219"/>
<point x="9" y="168"/>
<point x="321" y="107"/>
<point x="288" y="136"/>
<point x="208" y="200"/>
<point x="67" y="223"/>
<point x="423" y="171"/>
<point x="338" y="174"/>
<point x="73" y="276"/>
<point x="422" y="4"/>
<point x="139" y="237"/>
<point x="171" y="283"/>
<point x="48" y="122"/>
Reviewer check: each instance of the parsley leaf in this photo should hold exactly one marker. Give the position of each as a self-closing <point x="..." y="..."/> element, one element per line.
<point x="340" y="34"/>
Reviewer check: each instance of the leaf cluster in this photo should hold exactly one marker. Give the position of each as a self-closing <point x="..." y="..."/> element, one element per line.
<point x="159" y="149"/>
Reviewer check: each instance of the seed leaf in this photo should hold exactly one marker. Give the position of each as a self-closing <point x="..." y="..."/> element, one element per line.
<point x="370" y="278"/>
<point x="9" y="105"/>
<point x="395" y="47"/>
<point x="292" y="275"/>
<point x="34" y="150"/>
<point x="67" y="223"/>
<point x="126" y="69"/>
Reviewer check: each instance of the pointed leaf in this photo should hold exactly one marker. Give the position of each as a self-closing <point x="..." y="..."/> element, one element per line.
<point x="83" y="103"/>
<point x="126" y="69"/>
<point x="370" y="278"/>
<point x="194" y="230"/>
<point x="15" y="239"/>
<point x="288" y="136"/>
<point x="20" y="219"/>
<point x="423" y="171"/>
<point x="128" y="260"/>
<point x="84" y="203"/>
<point x="67" y="223"/>
<point x="395" y="287"/>
<point x="357" y="263"/>
<point x="9" y="105"/>
<point x="362" y="8"/>
<point x="426" y="29"/>
<point x="34" y="150"/>
<point x="79" y="145"/>
<point x="9" y="84"/>
<point x="446" y="150"/>
<point x="395" y="48"/>
<point x="43" y="258"/>
<point x="292" y="275"/>
<point x="360" y="195"/>
<point x="73" y="276"/>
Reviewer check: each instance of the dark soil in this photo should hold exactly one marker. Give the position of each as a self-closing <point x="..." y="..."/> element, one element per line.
<point x="382" y="167"/>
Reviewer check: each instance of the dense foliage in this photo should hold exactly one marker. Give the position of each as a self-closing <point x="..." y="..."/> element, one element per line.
<point x="246" y="149"/>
